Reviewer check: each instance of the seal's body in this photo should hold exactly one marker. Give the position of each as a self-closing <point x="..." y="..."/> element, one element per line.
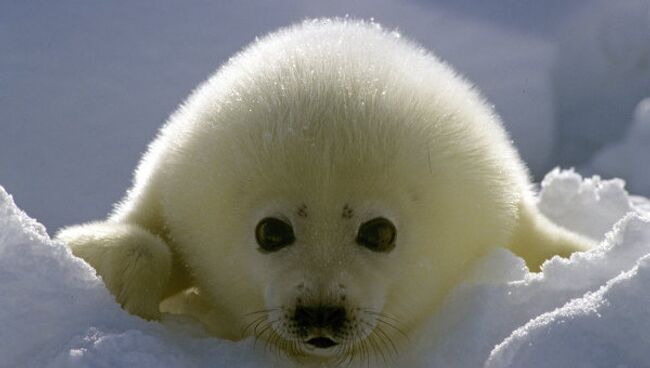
<point x="334" y="179"/>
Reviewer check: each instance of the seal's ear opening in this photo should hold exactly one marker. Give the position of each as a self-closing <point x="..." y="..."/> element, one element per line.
<point x="537" y="239"/>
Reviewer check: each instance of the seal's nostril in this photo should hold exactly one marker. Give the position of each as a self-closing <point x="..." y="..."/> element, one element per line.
<point x="320" y="316"/>
<point x="333" y="316"/>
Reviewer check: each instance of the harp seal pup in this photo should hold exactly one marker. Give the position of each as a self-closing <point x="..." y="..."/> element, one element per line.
<point x="324" y="190"/>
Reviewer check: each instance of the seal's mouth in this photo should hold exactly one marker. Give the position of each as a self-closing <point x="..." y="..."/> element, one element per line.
<point x="321" y="342"/>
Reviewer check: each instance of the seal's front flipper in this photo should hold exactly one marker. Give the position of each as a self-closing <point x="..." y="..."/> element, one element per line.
<point x="134" y="264"/>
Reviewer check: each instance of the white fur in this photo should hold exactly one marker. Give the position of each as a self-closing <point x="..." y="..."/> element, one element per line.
<point x="324" y="114"/>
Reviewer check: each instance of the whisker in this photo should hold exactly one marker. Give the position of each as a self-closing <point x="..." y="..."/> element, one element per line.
<point x="351" y="351"/>
<point x="376" y="347"/>
<point x="385" y="341"/>
<point x="256" y="338"/>
<point x="276" y="344"/>
<point x="347" y="357"/>
<point x="341" y="353"/>
<point x="257" y="325"/>
<point x="255" y="321"/>
<point x="383" y="314"/>
<point x="270" y="345"/>
<point x="339" y="358"/>
<point x="366" y="347"/>
<point x="265" y="311"/>
<point x="390" y="341"/>
<point x="294" y="348"/>
<point x="392" y="325"/>
<point x="261" y="333"/>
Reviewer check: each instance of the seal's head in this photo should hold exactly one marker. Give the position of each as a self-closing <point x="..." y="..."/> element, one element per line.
<point x="330" y="184"/>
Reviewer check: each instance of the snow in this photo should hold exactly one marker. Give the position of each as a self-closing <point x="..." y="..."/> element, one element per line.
<point x="567" y="199"/>
<point x="606" y="328"/>
<point x="512" y="318"/>
<point x="587" y="311"/>
<point x="55" y="312"/>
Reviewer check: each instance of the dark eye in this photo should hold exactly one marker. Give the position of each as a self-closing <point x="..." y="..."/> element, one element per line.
<point x="377" y="235"/>
<point x="273" y="234"/>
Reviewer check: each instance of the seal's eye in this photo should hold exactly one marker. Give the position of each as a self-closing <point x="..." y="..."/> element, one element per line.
<point x="273" y="234"/>
<point x="377" y="235"/>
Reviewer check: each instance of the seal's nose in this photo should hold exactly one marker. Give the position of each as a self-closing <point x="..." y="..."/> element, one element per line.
<point x="322" y="316"/>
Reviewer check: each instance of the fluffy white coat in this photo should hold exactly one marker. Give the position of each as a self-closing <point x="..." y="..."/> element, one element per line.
<point x="306" y="123"/>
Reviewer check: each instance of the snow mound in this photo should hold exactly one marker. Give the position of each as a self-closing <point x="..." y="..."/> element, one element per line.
<point x="587" y="311"/>
<point x="55" y="312"/>
<point x="575" y="312"/>
<point x="606" y="328"/>
<point x="589" y="207"/>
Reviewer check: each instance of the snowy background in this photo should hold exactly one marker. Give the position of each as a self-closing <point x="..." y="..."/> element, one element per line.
<point x="84" y="86"/>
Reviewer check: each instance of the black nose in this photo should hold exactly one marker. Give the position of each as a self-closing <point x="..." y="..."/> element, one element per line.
<point x="324" y="316"/>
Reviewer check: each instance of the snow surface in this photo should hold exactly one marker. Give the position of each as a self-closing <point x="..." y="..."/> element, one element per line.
<point x="588" y="311"/>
